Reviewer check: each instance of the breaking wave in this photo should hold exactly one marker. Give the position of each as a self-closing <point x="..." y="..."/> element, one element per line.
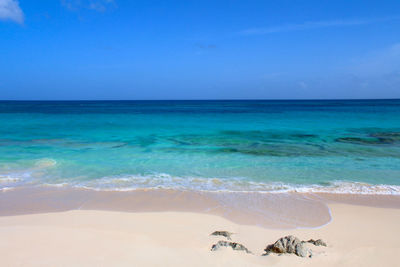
<point x="30" y="177"/>
<point x="165" y="181"/>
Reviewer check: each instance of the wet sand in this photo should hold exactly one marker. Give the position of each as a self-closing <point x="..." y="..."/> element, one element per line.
<point x="267" y="210"/>
<point x="270" y="210"/>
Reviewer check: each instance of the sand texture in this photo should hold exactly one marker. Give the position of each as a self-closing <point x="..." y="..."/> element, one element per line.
<point x="356" y="236"/>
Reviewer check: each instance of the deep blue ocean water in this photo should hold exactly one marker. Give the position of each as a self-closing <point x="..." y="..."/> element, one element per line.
<point x="276" y="146"/>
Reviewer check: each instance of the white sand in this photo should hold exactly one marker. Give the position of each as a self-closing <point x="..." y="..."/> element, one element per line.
<point x="357" y="236"/>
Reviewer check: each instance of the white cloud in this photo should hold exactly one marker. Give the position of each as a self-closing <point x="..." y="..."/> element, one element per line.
<point x="308" y="25"/>
<point x="97" y="5"/>
<point x="10" y="10"/>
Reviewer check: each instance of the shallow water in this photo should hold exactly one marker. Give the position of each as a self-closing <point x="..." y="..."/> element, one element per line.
<point x="274" y="146"/>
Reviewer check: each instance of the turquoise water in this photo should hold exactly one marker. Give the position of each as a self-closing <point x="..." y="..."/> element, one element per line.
<point x="276" y="146"/>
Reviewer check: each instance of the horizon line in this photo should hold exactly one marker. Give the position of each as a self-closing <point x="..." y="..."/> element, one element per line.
<point x="205" y="99"/>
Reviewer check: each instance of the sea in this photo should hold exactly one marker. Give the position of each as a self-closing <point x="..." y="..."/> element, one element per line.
<point x="333" y="146"/>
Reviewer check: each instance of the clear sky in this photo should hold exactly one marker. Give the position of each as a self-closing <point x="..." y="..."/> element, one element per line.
<point x="218" y="49"/>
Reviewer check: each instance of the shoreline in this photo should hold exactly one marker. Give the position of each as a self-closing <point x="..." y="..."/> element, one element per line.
<point x="268" y="210"/>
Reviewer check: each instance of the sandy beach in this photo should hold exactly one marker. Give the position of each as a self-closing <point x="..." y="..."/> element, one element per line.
<point x="199" y="133"/>
<point x="357" y="235"/>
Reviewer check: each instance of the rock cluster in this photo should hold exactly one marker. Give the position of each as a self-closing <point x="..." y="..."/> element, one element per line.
<point x="223" y="233"/>
<point x="292" y="245"/>
<point x="233" y="245"/>
<point x="318" y="242"/>
<point x="222" y="243"/>
<point x="379" y="138"/>
<point x="288" y="244"/>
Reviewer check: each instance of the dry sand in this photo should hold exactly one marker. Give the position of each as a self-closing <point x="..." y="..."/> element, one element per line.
<point x="356" y="236"/>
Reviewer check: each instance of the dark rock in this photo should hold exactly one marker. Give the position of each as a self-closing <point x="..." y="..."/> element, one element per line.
<point x="289" y="244"/>
<point x="304" y="135"/>
<point x="223" y="233"/>
<point x="365" y="141"/>
<point x="302" y="251"/>
<point x="387" y="137"/>
<point x="233" y="245"/>
<point x="318" y="242"/>
<point x="394" y="135"/>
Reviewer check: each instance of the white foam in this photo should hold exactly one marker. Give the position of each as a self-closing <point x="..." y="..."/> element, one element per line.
<point x="4" y="189"/>
<point x="165" y="181"/>
<point x="14" y="179"/>
<point x="56" y="185"/>
<point x="8" y="179"/>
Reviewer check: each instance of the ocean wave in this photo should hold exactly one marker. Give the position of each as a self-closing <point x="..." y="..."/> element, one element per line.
<point x="165" y="181"/>
<point x="9" y="182"/>
<point x="8" y="179"/>
<point x="45" y="163"/>
<point x="27" y="176"/>
<point x="343" y="187"/>
<point x="4" y="189"/>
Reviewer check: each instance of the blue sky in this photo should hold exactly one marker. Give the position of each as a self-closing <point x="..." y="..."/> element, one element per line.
<point x="220" y="49"/>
